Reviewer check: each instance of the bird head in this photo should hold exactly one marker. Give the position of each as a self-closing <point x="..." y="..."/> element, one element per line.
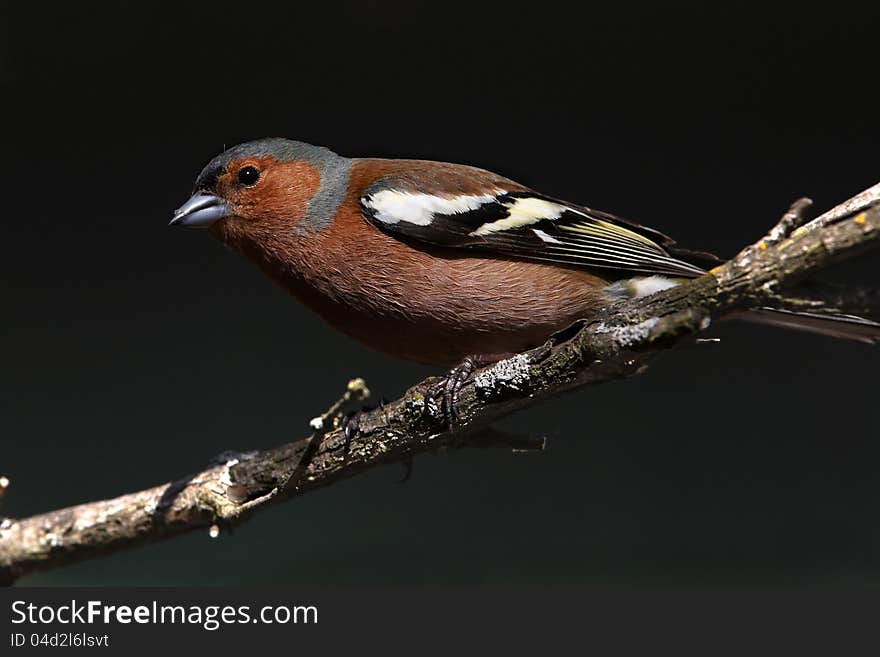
<point x="266" y="186"/>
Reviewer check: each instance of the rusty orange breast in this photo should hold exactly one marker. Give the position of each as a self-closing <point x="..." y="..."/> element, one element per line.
<point x="419" y="303"/>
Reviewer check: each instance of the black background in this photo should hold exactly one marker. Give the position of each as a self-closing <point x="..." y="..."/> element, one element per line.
<point x="133" y="353"/>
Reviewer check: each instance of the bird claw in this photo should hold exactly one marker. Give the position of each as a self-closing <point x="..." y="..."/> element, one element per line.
<point x="351" y="429"/>
<point x="351" y="423"/>
<point x="449" y="390"/>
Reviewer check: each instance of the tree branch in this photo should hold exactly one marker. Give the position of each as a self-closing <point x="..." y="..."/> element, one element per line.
<point x="617" y="343"/>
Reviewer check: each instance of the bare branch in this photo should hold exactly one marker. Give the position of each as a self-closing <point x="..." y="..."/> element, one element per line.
<point x="857" y="203"/>
<point x="618" y="343"/>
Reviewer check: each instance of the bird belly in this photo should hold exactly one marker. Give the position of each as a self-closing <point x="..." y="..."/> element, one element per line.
<point x="438" y="308"/>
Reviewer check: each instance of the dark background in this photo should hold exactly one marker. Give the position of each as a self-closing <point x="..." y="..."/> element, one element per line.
<point x="133" y="353"/>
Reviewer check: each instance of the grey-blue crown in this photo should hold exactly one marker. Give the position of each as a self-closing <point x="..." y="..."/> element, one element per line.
<point x="284" y="150"/>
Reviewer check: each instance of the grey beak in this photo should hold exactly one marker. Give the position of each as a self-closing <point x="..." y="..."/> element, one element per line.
<point x="200" y="211"/>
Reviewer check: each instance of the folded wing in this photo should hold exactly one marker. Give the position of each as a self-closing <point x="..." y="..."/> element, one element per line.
<point x="513" y="221"/>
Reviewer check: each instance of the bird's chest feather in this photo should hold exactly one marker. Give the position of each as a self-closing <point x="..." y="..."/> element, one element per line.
<point x="428" y="305"/>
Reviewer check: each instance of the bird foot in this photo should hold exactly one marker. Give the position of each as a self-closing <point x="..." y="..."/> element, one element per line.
<point x="448" y="389"/>
<point x="351" y="428"/>
<point x="351" y="424"/>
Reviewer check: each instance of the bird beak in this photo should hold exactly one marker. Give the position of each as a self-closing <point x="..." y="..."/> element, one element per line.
<point x="200" y="211"/>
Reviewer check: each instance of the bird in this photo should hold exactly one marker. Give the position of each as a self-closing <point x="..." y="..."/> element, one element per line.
<point x="444" y="264"/>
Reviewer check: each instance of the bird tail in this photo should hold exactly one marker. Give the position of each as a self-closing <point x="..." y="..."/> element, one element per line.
<point x="847" y="327"/>
<point x="836" y="325"/>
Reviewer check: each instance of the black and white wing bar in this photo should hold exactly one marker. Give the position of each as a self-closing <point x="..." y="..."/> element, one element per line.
<point x="521" y="224"/>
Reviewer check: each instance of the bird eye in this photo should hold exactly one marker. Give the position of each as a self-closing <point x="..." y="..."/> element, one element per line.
<point x="248" y="175"/>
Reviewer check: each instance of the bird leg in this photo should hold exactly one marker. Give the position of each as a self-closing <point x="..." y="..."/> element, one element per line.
<point x="452" y="386"/>
<point x="449" y="388"/>
<point x="351" y="424"/>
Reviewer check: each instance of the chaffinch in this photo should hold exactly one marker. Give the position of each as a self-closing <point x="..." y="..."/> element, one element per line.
<point x="437" y="262"/>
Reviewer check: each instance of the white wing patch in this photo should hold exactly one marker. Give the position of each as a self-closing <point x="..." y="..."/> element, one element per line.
<point x="522" y="212"/>
<point x="523" y="225"/>
<point x="392" y="206"/>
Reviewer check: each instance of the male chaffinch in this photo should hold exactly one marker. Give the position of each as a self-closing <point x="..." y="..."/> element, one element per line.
<point x="435" y="262"/>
